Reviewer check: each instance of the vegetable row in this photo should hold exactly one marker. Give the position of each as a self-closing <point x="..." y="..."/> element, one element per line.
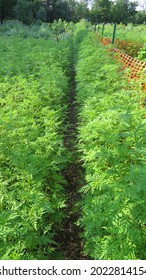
<point x="112" y="143"/>
<point x="33" y="86"/>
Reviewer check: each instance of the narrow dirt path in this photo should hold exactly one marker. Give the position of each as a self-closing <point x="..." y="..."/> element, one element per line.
<point x="69" y="238"/>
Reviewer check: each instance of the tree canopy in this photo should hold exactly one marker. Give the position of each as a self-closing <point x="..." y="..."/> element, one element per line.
<point x="29" y="11"/>
<point x="7" y="9"/>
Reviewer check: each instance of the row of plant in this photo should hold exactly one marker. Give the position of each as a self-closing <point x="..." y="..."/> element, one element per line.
<point x="112" y="143"/>
<point x="58" y="29"/>
<point x="34" y="78"/>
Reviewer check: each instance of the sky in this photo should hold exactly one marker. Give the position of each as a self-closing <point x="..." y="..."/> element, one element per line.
<point x="142" y="4"/>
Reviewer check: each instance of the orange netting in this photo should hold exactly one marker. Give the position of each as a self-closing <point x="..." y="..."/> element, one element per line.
<point x="137" y="68"/>
<point x="106" y="41"/>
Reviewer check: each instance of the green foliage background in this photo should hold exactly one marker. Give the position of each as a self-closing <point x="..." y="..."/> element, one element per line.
<point x="96" y="11"/>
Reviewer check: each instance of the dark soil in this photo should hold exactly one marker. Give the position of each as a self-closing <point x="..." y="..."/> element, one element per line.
<point x="69" y="239"/>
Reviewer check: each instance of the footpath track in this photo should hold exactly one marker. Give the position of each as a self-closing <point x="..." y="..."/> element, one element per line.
<point x="69" y="239"/>
<point x="71" y="244"/>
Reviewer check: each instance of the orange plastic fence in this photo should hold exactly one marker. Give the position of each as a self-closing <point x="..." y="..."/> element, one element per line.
<point x="131" y="47"/>
<point x="137" y="67"/>
<point x="105" y="41"/>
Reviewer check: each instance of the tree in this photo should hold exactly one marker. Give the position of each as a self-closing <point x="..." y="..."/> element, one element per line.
<point x="71" y="14"/>
<point x="55" y="9"/>
<point x="132" y="11"/>
<point x="28" y="11"/>
<point x="100" y="11"/>
<point x="140" y="17"/>
<point x="123" y="11"/>
<point x="6" y="9"/>
<point x="82" y="9"/>
<point x="24" y="11"/>
<point x="42" y="13"/>
<point x="49" y="10"/>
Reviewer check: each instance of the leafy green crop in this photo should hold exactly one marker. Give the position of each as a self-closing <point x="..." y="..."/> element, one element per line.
<point x="142" y="53"/>
<point x="35" y="78"/>
<point x="112" y="141"/>
<point x="33" y="87"/>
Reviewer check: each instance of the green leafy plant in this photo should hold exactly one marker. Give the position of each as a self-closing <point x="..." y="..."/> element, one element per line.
<point x="142" y="53"/>
<point x="33" y="87"/>
<point x="112" y="142"/>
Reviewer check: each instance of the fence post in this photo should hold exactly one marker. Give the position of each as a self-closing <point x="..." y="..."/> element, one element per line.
<point x="103" y="29"/>
<point x="114" y="33"/>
